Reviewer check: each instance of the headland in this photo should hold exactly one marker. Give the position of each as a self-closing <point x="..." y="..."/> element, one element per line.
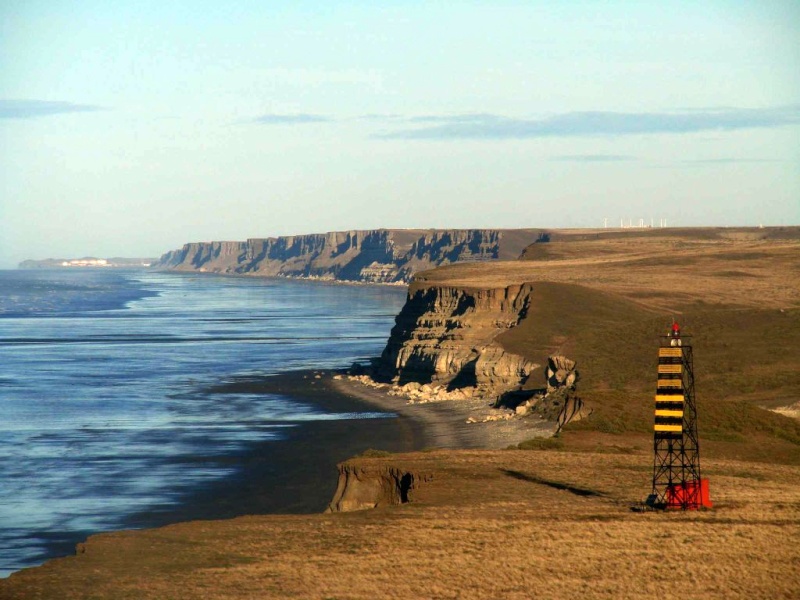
<point x="468" y="517"/>
<point x="364" y="256"/>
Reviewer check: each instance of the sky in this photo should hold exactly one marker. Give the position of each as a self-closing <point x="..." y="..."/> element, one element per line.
<point x="131" y="128"/>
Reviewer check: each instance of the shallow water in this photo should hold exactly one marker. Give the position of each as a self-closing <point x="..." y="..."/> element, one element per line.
<point x="104" y="376"/>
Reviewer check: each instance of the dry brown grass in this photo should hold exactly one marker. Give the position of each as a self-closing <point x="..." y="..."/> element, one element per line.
<point x="668" y="270"/>
<point x="603" y="298"/>
<point x="556" y="522"/>
<point x="745" y="359"/>
<point x="504" y="524"/>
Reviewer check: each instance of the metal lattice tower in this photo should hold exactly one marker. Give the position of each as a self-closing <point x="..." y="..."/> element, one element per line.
<point x="676" y="464"/>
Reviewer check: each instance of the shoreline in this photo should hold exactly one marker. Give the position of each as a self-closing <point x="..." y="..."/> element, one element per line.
<point x="256" y="275"/>
<point x="298" y="473"/>
<point x="444" y="422"/>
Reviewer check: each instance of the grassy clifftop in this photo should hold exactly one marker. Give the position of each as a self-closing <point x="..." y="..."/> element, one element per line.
<point x="667" y="270"/>
<point x="557" y="524"/>
<point x="604" y="299"/>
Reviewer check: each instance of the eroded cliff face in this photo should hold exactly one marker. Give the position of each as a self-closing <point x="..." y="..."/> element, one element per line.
<point x="372" y="256"/>
<point x="196" y="256"/>
<point x="364" y="486"/>
<point x="446" y="335"/>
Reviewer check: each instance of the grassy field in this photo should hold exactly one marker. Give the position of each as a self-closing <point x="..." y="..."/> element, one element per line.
<point x="604" y="298"/>
<point x="668" y="270"/>
<point x="505" y="524"/>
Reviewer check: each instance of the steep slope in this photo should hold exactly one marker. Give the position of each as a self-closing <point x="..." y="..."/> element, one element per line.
<point x="371" y="256"/>
<point x="447" y="335"/>
<point x="603" y="303"/>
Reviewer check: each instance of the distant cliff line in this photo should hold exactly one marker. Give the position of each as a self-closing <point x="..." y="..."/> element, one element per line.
<point x="87" y="261"/>
<point x="368" y="256"/>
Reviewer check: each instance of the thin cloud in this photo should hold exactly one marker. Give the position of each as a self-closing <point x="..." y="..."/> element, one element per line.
<point x="395" y="118"/>
<point x="291" y="119"/>
<point x="588" y="158"/>
<point x="593" y="123"/>
<point x="726" y="161"/>
<point x="483" y="118"/>
<point x="380" y="117"/>
<point x="31" y="109"/>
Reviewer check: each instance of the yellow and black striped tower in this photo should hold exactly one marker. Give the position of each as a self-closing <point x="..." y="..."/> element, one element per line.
<point x="676" y="466"/>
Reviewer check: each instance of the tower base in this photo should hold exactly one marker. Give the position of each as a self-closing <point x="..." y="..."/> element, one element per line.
<point x="690" y="495"/>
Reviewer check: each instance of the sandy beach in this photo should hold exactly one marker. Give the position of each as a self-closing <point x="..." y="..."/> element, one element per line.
<point x="443" y="424"/>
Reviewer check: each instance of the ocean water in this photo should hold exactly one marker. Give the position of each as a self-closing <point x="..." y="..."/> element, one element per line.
<point x="104" y="379"/>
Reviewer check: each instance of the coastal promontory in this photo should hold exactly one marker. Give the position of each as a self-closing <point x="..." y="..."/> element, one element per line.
<point x="500" y="508"/>
<point x="368" y="256"/>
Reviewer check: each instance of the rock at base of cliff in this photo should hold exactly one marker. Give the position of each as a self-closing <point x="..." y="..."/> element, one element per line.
<point x="561" y="372"/>
<point x="364" y="486"/>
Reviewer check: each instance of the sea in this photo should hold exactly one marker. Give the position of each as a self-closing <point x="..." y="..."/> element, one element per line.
<point x="105" y="375"/>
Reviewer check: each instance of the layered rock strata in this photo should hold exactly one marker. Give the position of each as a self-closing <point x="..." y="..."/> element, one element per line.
<point x="445" y="336"/>
<point x="371" y="256"/>
<point x="444" y="347"/>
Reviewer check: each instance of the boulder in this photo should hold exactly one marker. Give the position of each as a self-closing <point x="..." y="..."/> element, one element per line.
<point x="560" y="373"/>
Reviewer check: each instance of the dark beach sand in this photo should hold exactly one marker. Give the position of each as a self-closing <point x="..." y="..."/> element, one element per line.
<point x="298" y="474"/>
<point x="294" y="475"/>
